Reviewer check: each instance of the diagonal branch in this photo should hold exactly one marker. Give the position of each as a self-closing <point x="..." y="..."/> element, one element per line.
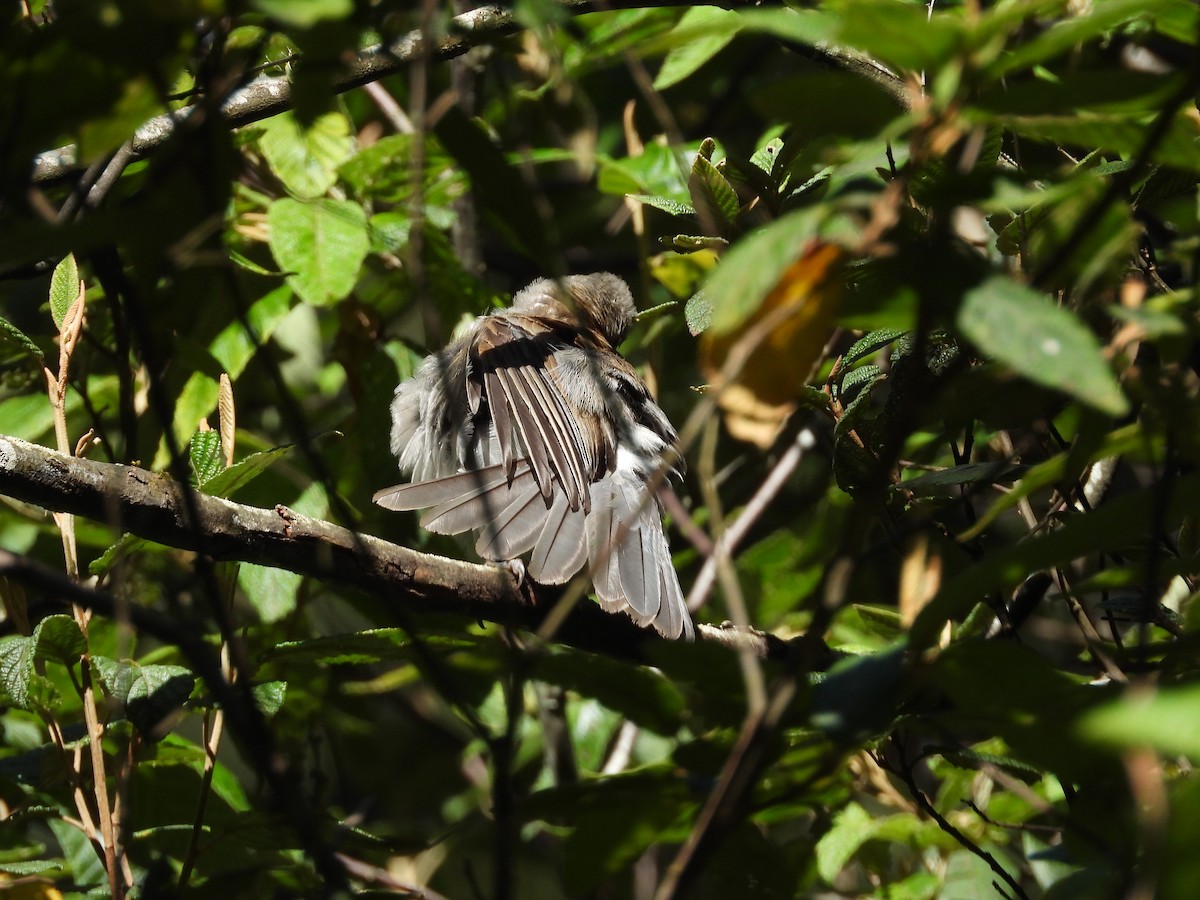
<point x="266" y="97"/>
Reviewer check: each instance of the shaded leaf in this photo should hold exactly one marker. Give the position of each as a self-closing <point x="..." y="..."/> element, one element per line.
<point x="1048" y="345"/>
<point x="707" y="31"/>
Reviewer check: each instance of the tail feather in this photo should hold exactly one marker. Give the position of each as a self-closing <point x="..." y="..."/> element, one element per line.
<point x="514" y="530"/>
<point x="426" y="494"/>
<point x="561" y="548"/>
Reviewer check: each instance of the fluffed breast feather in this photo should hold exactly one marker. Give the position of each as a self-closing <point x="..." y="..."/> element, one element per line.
<point x="534" y="432"/>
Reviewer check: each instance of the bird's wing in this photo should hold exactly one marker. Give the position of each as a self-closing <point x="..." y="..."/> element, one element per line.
<point x="532" y="418"/>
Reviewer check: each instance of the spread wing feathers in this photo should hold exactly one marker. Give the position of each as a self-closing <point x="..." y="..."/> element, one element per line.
<point x="561" y="548"/>
<point x="424" y="494"/>
<point x="530" y="415"/>
<point x="629" y="556"/>
<point x="514" y="530"/>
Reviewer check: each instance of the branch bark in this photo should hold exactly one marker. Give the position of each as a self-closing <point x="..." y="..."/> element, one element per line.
<point x="266" y="97"/>
<point x="151" y="505"/>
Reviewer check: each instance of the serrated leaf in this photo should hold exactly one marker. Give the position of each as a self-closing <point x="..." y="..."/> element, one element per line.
<point x="58" y="638"/>
<point x="697" y="312"/>
<point x="714" y="199"/>
<point x="1043" y="342"/>
<point x="306" y="159"/>
<point x="149" y="693"/>
<point x="124" y="546"/>
<point x="225" y="482"/>
<point x="64" y="288"/>
<point x="14" y="337"/>
<point x="869" y="343"/>
<point x="204" y="453"/>
<point x="269" y="696"/>
<point x="16" y="669"/>
<point x="666" y="204"/>
<point x="322" y="243"/>
<point x="707" y="32"/>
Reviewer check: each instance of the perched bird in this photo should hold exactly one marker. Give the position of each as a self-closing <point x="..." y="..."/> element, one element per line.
<point x="533" y="431"/>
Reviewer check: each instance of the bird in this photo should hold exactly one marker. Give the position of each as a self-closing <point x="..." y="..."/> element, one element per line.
<point x="534" y="432"/>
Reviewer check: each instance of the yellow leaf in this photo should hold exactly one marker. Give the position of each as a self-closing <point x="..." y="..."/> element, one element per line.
<point x="761" y="368"/>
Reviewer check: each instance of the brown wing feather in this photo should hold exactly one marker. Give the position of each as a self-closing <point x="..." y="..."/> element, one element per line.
<point x="529" y="412"/>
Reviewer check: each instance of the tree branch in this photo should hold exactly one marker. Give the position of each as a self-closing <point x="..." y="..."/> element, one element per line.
<point x="151" y="505"/>
<point x="266" y="97"/>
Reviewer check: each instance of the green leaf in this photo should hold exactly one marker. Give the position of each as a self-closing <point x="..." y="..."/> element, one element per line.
<point x="149" y="693"/>
<point x="204" y="453"/>
<point x="85" y="866"/>
<point x="64" y="288"/>
<point x="869" y="343"/>
<point x="948" y="481"/>
<point x="714" y="199"/>
<point x="271" y="591"/>
<point x="707" y="31"/>
<point x="322" y="242"/>
<point x="14" y="337"/>
<point x="666" y="204"/>
<point x="642" y="695"/>
<point x="269" y="696"/>
<point x="16" y="669"/>
<point x="233" y="347"/>
<point x="58" y="638"/>
<point x="1045" y="343"/>
<point x="1167" y="719"/>
<point x="304" y="13"/>
<point x="227" y="481"/>
<point x="697" y="312"/>
<point x="901" y="35"/>
<point x="306" y="160"/>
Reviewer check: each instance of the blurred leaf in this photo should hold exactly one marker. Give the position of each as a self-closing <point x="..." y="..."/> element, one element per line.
<point x="503" y="193"/>
<point x="304" y="13"/>
<point x="947" y="481"/>
<point x="322" y="243"/>
<point x="13" y="337"/>
<point x="858" y="697"/>
<point x="269" y="695"/>
<point x="1046" y="344"/>
<point x="233" y="347"/>
<point x="798" y="316"/>
<point x="1068" y="32"/>
<point x="641" y="695"/>
<point x="708" y="31"/>
<point x="901" y="35"/>
<point x="1167" y="719"/>
<point x="64" y="289"/>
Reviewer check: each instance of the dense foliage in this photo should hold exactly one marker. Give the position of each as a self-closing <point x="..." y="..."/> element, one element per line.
<point x="925" y="313"/>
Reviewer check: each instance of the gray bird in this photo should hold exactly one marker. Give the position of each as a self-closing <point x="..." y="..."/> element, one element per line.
<point x="533" y="431"/>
